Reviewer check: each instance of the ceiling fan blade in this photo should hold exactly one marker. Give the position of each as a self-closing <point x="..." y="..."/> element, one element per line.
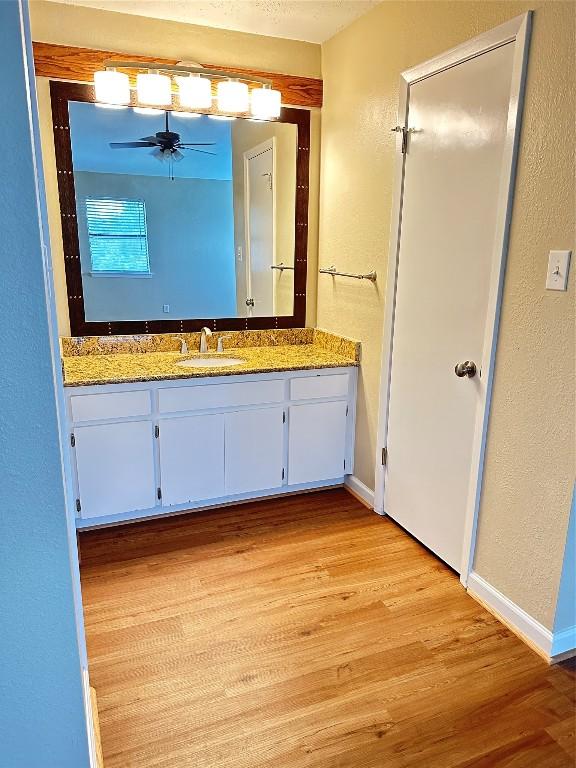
<point x="130" y="144"/>
<point x="196" y="143"/>
<point x="202" y="151"/>
<point x="151" y="139"/>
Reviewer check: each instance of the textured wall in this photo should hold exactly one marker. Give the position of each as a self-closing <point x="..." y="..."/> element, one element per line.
<point x="91" y="28"/>
<point x="530" y="455"/>
<point x="42" y="724"/>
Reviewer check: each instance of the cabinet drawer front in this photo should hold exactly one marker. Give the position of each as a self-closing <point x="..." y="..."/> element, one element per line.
<point x="220" y="395"/>
<point x="111" y="405"/>
<point x="309" y="387"/>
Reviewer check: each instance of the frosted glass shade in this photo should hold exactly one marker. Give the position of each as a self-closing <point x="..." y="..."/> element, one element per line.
<point x="232" y="96"/>
<point x="195" y="92"/>
<point x="111" y="87"/>
<point x="154" y="89"/>
<point x="265" y="103"/>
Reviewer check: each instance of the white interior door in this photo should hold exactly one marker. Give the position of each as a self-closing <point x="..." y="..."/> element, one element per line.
<point x="254" y="450"/>
<point x="453" y="169"/>
<point x="259" y="191"/>
<point x="192" y="458"/>
<point x="115" y="465"/>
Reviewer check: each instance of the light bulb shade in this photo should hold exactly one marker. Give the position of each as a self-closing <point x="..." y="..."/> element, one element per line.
<point x="265" y="103"/>
<point x="154" y="89"/>
<point x="111" y="87"/>
<point x="232" y="96"/>
<point x="195" y="92"/>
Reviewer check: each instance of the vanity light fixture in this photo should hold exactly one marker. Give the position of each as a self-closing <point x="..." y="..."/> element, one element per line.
<point x="195" y="91"/>
<point x="265" y="103"/>
<point x="232" y="96"/>
<point x="111" y="87"/>
<point x="154" y="88"/>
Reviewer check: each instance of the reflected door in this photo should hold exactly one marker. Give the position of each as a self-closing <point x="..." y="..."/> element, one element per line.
<point x="259" y="185"/>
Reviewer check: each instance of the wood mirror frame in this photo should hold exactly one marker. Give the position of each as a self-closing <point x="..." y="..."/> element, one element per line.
<point x="63" y="92"/>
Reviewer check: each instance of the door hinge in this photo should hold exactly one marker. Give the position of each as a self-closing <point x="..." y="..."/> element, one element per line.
<point x="347" y="410"/>
<point x="284" y="417"/>
<point x="384" y="456"/>
<point x="159" y="493"/>
<point x="72" y="440"/>
<point x="78" y="506"/>
<point x="344" y="464"/>
<point x="156" y="431"/>
<point x="283" y="473"/>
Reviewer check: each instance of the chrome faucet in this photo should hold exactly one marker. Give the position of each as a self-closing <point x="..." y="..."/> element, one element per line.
<point x="220" y="347"/>
<point x="204" y="334"/>
<point x="183" y="346"/>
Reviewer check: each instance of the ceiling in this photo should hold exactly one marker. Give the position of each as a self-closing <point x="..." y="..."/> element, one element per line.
<point x="314" y="21"/>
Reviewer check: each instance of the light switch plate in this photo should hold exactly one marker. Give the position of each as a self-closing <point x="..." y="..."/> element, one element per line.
<point x="166" y="308"/>
<point x="558" y="266"/>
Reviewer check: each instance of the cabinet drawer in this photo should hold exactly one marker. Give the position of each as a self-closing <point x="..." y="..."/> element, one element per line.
<point x="309" y="387"/>
<point x="110" y="405"/>
<point x="220" y="395"/>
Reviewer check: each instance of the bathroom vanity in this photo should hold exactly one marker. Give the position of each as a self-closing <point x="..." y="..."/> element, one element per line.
<point x="198" y="438"/>
<point x="218" y="243"/>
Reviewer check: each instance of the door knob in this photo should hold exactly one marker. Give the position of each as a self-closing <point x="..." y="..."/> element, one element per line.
<point x="468" y="368"/>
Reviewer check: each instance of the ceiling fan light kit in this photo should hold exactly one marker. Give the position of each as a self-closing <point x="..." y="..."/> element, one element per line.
<point x="194" y="86"/>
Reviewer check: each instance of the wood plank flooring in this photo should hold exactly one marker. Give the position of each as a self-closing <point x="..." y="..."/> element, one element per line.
<point x="306" y="632"/>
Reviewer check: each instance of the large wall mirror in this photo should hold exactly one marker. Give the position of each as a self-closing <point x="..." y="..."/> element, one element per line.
<point x="213" y="233"/>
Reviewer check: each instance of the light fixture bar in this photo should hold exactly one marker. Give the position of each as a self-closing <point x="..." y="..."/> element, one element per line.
<point x="183" y="69"/>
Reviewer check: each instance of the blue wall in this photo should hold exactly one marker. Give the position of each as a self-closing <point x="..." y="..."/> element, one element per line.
<point x="42" y="717"/>
<point x="190" y="225"/>
<point x="565" y="619"/>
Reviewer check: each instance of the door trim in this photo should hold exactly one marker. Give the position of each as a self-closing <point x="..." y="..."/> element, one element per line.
<point x="250" y="154"/>
<point x="515" y="32"/>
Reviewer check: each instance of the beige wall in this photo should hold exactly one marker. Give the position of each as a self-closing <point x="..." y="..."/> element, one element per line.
<point x="91" y="28"/>
<point x="530" y="453"/>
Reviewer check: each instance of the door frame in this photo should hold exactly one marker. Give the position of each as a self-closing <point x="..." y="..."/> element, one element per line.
<point x="250" y="154"/>
<point x="515" y="32"/>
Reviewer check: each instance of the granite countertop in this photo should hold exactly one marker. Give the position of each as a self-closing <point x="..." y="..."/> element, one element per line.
<point x="319" y="350"/>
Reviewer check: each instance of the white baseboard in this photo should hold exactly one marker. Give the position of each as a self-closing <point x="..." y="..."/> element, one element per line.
<point x="360" y="491"/>
<point x="521" y="623"/>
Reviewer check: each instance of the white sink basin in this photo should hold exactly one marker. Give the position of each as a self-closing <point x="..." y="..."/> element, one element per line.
<point x="210" y="362"/>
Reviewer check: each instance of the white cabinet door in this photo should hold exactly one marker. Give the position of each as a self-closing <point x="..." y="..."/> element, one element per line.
<point x="115" y="465"/>
<point x="191" y="458"/>
<point x="316" y="442"/>
<point x="254" y="450"/>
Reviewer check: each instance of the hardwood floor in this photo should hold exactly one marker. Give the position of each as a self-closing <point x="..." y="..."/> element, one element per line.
<point x="306" y="632"/>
